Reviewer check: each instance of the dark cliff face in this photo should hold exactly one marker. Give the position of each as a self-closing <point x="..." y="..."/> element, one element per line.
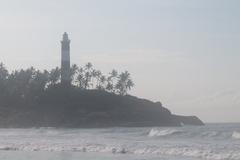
<point x="92" y="108"/>
<point x="188" y="120"/>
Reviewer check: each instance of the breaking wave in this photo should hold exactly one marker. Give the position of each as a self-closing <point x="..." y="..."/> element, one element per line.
<point x="213" y="142"/>
<point x="158" y="133"/>
<point x="236" y="135"/>
<point x="155" y="132"/>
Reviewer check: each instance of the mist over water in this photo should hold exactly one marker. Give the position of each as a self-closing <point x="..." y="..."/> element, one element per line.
<point x="213" y="142"/>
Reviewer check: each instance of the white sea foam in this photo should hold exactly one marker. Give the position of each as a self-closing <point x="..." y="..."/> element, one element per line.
<point x="166" y="132"/>
<point x="190" y="152"/>
<point x="204" y="143"/>
<point x="236" y="135"/>
<point x="174" y="151"/>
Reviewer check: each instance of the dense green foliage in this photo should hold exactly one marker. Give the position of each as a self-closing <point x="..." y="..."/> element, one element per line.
<point x="34" y="98"/>
<point x="32" y="83"/>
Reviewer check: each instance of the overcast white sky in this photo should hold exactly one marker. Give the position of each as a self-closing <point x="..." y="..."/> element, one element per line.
<point x="184" y="53"/>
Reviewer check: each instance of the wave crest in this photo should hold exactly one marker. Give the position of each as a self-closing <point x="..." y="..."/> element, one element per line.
<point x="166" y="132"/>
<point x="236" y="135"/>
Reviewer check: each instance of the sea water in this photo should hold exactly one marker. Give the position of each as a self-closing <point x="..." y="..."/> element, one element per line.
<point x="210" y="142"/>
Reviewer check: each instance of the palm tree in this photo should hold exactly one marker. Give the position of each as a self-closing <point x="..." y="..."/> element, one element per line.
<point x="111" y="81"/>
<point x="88" y="75"/>
<point x="130" y="84"/>
<point x="80" y="78"/>
<point x="94" y="77"/>
<point x="88" y="65"/>
<point x="73" y="71"/>
<point x="98" y="77"/>
<point x="110" y="87"/>
<point x="102" y="82"/>
<point x="124" y="83"/>
<point x="114" y="73"/>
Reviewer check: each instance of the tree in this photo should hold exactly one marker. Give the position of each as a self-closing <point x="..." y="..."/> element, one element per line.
<point x="111" y="80"/>
<point x="98" y="78"/>
<point x="39" y="82"/>
<point x="80" y="80"/>
<point x="73" y="71"/>
<point x="3" y="79"/>
<point x="20" y="82"/>
<point x="88" y="75"/>
<point x="130" y="84"/>
<point x="124" y="83"/>
<point x="30" y="83"/>
<point x="102" y="82"/>
<point x="94" y="77"/>
<point x="114" y="73"/>
<point x="54" y="76"/>
<point x="3" y="72"/>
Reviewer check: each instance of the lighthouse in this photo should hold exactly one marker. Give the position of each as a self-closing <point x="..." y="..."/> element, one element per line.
<point x="65" y="61"/>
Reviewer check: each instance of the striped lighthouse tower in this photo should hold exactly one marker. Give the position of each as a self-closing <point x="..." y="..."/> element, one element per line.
<point x="65" y="64"/>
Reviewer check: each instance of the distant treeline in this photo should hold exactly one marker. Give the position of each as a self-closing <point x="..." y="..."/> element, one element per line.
<point x="33" y="82"/>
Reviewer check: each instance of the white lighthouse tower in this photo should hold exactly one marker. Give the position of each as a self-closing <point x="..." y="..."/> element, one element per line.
<point x="65" y="64"/>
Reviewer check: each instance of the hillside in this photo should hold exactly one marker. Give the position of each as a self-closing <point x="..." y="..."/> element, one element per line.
<point x="72" y="107"/>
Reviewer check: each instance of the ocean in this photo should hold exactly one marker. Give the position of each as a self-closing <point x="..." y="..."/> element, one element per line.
<point x="209" y="142"/>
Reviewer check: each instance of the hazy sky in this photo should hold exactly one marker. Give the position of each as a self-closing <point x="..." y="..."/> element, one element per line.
<point x="184" y="53"/>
